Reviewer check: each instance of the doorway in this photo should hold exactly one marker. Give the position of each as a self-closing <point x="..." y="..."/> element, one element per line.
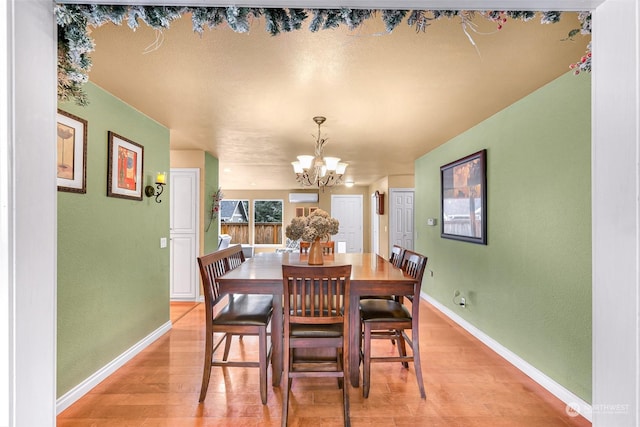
<point x="348" y="210"/>
<point x="401" y="209"/>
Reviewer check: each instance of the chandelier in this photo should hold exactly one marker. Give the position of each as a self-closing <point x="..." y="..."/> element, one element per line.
<point x="317" y="170"/>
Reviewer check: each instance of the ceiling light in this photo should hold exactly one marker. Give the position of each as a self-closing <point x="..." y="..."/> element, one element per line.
<point x="317" y="170"/>
<point x="348" y="183"/>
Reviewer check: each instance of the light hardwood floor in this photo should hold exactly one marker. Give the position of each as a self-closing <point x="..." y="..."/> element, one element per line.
<point x="467" y="385"/>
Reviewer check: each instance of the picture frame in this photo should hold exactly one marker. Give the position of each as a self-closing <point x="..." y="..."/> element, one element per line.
<point x="71" y="135"/>
<point x="312" y="209"/>
<point x="463" y="197"/>
<point x="299" y="212"/>
<point x="124" y="167"/>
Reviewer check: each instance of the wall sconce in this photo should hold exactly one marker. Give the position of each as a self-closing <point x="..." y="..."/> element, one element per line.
<point x="161" y="180"/>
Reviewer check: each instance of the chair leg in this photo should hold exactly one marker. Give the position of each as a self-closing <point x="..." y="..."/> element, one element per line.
<point x="366" y="362"/>
<point x="339" y="366"/>
<point x="416" y="360"/>
<point x="402" y="347"/>
<point x="345" y="403"/>
<point x="285" y="396"/>
<point x="227" y="347"/>
<point x="262" y="346"/>
<point x="206" y="372"/>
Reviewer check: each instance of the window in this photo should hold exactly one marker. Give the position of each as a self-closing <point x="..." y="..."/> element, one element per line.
<point x="267" y="222"/>
<point x="234" y="220"/>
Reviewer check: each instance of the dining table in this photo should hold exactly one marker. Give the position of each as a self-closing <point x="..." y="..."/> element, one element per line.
<point x="371" y="275"/>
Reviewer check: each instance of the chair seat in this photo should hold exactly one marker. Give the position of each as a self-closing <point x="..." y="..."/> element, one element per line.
<point x="246" y="310"/>
<point x="299" y="330"/>
<point x="383" y="310"/>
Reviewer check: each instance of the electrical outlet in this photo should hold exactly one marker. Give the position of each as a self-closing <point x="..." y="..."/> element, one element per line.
<point x="463" y="302"/>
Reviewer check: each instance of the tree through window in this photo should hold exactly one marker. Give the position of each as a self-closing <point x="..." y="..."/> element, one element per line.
<point x="267" y="222"/>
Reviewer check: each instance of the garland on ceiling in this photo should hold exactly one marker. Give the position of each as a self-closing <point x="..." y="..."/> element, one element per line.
<point x="75" y="44"/>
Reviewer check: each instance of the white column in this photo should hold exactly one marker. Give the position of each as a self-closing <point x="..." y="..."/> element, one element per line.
<point x="29" y="217"/>
<point x="616" y="213"/>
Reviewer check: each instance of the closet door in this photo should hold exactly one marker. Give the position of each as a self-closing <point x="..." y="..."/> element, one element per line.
<point x="184" y="220"/>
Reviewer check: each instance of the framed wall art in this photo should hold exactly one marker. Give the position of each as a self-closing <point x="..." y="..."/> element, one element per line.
<point x="71" y="153"/>
<point x="124" y="174"/>
<point x="464" y="199"/>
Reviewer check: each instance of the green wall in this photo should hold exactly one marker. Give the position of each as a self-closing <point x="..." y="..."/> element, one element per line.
<point x="529" y="288"/>
<point x="210" y="187"/>
<point x="113" y="277"/>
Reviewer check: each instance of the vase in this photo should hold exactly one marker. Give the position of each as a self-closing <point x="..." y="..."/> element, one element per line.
<point x="315" y="253"/>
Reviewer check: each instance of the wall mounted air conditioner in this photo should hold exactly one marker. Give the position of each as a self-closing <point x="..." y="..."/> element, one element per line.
<point x="303" y="197"/>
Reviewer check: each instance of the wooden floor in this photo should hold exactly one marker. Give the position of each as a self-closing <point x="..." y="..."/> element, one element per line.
<point x="466" y="383"/>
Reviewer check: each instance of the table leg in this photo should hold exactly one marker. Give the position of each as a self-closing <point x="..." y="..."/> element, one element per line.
<point x="354" y="340"/>
<point x="276" y="341"/>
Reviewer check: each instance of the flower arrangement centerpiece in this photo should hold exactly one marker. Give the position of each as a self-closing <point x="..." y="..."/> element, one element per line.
<point x="318" y="225"/>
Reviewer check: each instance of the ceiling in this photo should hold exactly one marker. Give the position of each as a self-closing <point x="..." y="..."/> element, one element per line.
<point x="249" y="99"/>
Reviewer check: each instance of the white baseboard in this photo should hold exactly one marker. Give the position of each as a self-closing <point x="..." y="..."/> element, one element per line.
<point x="84" y="387"/>
<point x="574" y="403"/>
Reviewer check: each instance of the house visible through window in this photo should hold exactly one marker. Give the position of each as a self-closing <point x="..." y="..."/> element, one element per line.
<point x="234" y="220"/>
<point x="267" y="222"/>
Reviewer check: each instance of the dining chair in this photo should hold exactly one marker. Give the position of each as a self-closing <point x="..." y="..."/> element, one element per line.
<point x="328" y="247"/>
<point x="395" y="258"/>
<point x="238" y="315"/>
<point x="304" y="247"/>
<point x="390" y="319"/>
<point x="316" y="307"/>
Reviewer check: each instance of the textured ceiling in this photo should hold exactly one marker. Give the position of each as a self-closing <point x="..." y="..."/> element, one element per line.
<point x="249" y="99"/>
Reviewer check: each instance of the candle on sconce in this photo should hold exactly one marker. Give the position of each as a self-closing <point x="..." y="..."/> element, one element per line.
<point x="161" y="178"/>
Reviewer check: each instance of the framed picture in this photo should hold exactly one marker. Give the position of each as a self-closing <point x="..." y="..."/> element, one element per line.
<point x="299" y="212"/>
<point x="124" y="175"/>
<point x="72" y="153"/>
<point x="312" y="210"/>
<point x="464" y="199"/>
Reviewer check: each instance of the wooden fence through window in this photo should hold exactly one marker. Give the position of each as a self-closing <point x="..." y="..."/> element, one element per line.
<point x="266" y="233"/>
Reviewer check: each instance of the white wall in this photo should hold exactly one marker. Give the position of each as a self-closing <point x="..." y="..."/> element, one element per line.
<point x="28" y="215"/>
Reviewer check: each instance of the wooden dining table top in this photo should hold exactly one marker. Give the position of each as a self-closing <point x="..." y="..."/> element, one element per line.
<point x="267" y="267"/>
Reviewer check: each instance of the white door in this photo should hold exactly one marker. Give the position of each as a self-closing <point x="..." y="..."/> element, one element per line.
<point x="348" y="210"/>
<point x="401" y="218"/>
<point x="184" y="219"/>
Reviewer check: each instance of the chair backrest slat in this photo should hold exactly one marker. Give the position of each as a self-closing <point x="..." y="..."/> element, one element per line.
<point x="397" y="254"/>
<point x="214" y="265"/>
<point x="316" y="294"/>
<point x="414" y="265"/>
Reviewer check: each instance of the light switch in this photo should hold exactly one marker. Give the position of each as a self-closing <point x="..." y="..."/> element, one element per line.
<point x="431" y="221"/>
<point x="163" y="242"/>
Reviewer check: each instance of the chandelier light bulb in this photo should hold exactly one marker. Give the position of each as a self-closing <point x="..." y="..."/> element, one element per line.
<point x="306" y="161"/>
<point x="297" y="167"/>
<point x="331" y="163"/>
